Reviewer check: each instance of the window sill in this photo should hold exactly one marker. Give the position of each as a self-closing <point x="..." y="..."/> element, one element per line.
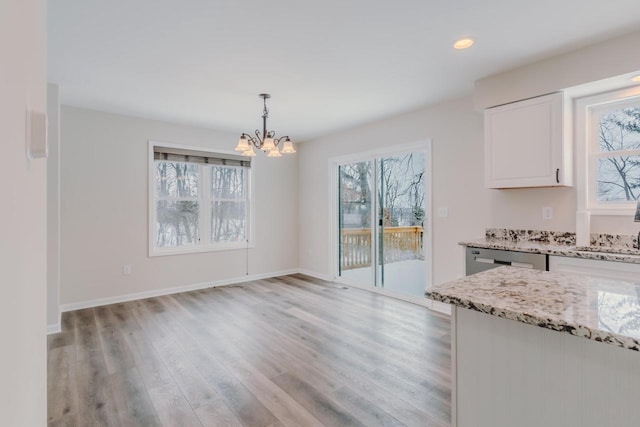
<point x="611" y="211"/>
<point x="200" y="249"/>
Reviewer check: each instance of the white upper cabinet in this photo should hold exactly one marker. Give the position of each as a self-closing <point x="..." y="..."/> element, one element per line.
<point x="528" y="144"/>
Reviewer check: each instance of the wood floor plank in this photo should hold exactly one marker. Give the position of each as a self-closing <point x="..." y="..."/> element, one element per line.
<point x="217" y="414"/>
<point x="287" y="351"/>
<point x="95" y="399"/>
<point x="288" y="411"/>
<point x="172" y="408"/>
<point x="115" y="350"/>
<point x="61" y="393"/>
<point x="152" y="370"/>
<point x="367" y="412"/>
<point x="246" y="407"/>
<point x="327" y="410"/>
<point x="69" y="420"/>
<point x="132" y="400"/>
<point x="194" y="387"/>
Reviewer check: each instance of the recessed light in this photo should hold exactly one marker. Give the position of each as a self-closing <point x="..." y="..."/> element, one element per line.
<point x="636" y="78"/>
<point x="463" y="43"/>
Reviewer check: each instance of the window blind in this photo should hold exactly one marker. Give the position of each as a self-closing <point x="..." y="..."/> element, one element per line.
<point x="193" y="156"/>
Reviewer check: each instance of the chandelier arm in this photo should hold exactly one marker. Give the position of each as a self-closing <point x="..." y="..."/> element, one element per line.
<point x="277" y="141"/>
<point x="252" y="140"/>
<point x="258" y="139"/>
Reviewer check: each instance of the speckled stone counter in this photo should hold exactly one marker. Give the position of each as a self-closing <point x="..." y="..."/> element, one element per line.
<point x="629" y="256"/>
<point x="606" y="310"/>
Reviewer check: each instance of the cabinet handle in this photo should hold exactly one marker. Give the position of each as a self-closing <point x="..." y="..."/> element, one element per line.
<point x="558" y="176"/>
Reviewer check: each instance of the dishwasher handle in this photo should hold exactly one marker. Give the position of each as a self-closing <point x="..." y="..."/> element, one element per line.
<point x="501" y="262"/>
<point x="481" y="259"/>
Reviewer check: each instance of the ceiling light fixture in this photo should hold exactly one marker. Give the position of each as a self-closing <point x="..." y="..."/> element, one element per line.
<point x="463" y="43"/>
<point x="264" y="141"/>
<point x="636" y="78"/>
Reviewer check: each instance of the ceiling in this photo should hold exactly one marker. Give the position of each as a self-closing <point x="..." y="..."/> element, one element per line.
<point x="329" y="65"/>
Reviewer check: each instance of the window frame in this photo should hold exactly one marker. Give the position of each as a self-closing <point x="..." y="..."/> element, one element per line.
<point x="205" y="197"/>
<point x="588" y="109"/>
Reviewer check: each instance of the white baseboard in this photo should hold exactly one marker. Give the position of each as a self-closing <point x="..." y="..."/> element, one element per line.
<point x="54" y="329"/>
<point x="315" y="274"/>
<point x="441" y="307"/>
<point x="168" y="291"/>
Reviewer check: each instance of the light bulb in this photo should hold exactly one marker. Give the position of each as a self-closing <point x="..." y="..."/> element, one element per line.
<point x="243" y="144"/>
<point x="268" y="144"/>
<point x="249" y="152"/>
<point x="274" y="153"/>
<point x="287" y="148"/>
<point x="463" y="43"/>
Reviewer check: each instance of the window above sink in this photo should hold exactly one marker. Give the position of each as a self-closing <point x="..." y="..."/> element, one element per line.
<point x="608" y="152"/>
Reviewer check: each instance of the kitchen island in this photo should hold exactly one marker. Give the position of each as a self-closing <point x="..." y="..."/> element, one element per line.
<point x="533" y="348"/>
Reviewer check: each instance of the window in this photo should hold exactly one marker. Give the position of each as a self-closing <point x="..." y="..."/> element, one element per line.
<point x="609" y="152"/>
<point x="199" y="201"/>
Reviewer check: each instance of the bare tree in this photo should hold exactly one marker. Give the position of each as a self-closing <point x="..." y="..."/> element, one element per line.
<point x="619" y="131"/>
<point x="355" y="191"/>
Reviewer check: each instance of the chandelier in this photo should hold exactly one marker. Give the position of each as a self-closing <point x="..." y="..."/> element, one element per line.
<point x="266" y="140"/>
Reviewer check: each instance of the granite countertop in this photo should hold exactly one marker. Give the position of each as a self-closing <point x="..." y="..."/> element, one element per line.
<point x="606" y="310"/>
<point x="600" y="253"/>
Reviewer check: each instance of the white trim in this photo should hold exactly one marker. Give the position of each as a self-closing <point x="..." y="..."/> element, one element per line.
<point x="454" y="366"/>
<point x="381" y="152"/>
<point x="429" y="199"/>
<point x="584" y="108"/>
<point x="333" y="218"/>
<point x="54" y="329"/>
<point x="314" y="274"/>
<point x="196" y="248"/>
<point x="168" y="291"/>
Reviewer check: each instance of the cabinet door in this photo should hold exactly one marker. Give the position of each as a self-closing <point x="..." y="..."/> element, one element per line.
<point x="524" y="144"/>
<point x="594" y="267"/>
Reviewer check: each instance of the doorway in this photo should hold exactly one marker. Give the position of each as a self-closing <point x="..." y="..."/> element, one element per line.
<point x="383" y="231"/>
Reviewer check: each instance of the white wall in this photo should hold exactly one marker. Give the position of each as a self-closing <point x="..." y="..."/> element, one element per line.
<point x="456" y="134"/>
<point x="593" y="69"/>
<point x="23" y="246"/>
<point x="592" y="63"/>
<point x="104" y="202"/>
<point x="457" y="138"/>
<point x="522" y="208"/>
<point x="53" y="210"/>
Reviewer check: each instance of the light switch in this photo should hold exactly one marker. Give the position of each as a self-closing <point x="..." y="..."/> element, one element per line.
<point x="443" y="212"/>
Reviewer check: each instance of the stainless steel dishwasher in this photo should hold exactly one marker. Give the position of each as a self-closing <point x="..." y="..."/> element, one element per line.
<point x="478" y="260"/>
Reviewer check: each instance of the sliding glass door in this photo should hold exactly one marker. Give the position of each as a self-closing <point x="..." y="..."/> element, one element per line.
<point x="382" y="214"/>
<point x="355" y="219"/>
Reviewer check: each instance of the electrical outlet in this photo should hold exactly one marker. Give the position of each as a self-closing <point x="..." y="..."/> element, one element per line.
<point x="126" y="270"/>
<point x="547" y="212"/>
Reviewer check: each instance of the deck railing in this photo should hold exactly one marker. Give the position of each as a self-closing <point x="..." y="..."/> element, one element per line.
<point x="399" y="244"/>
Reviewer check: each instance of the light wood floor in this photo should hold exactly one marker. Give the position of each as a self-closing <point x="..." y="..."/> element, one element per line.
<point x="290" y="351"/>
